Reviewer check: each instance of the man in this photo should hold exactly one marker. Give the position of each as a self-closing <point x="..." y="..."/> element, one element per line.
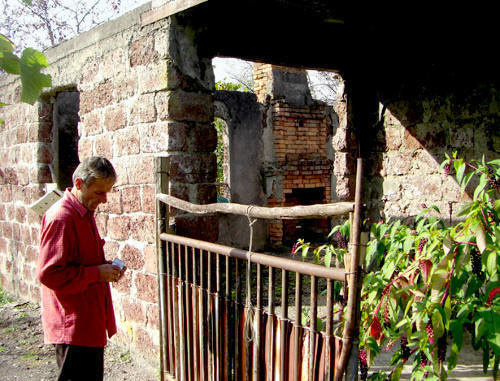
<point x="76" y="300"/>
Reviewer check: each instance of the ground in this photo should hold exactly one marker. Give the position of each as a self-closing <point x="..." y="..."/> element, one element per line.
<point x="24" y="357"/>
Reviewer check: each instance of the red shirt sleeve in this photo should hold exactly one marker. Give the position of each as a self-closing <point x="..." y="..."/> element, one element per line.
<point x="58" y="263"/>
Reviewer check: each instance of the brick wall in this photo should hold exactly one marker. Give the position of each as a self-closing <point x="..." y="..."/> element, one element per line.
<point x="301" y="144"/>
<point x="136" y="103"/>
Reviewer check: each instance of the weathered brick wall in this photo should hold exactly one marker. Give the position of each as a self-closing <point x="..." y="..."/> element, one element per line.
<point x="403" y="162"/>
<point x="300" y="140"/>
<point x="144" y="92"/>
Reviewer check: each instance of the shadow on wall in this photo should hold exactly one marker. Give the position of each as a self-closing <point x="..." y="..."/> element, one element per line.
<point x="409" y="142"/>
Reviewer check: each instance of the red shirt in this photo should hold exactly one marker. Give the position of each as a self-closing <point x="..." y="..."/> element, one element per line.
<point x="76" y="307"/>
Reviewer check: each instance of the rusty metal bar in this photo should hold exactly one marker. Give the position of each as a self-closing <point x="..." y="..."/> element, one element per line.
<point x="187" y="316"/>
<point x="329" y="330"/>
<point x="171" y="345"/>
<point x="218" y="348"/>
<point x="312" y="336"/>
<point x="211" y="357"/>
<point x="270" y="296"/>
<point x="350" y="318"/>
<point x="161" y="213"/>
<point x="202" y="323"/>
<point x="248" y="336"/>
<point x="227" y="348"/>
<point x="297" y="325"/>
<point x="182" y="320"/>
<point x="175" y="300"/>
<point x="236" y="311"/>
<point x="263" y="259"/>
<point x="196" y="330"/>
<point x="284" y="318"/>
<point x="258" y="325"/>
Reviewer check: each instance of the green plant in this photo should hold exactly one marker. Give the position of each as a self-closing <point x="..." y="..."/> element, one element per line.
<point x="4" y="298"/>
<point x="426" y="283"/>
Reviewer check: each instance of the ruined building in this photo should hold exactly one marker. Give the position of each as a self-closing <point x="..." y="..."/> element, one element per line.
<point x="142" y="86"/>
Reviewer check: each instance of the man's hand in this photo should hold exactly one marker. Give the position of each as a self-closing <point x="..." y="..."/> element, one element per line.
<point x="110" y="273"/>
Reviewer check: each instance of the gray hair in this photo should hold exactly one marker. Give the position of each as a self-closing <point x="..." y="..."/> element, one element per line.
<point x="92" y="168"/>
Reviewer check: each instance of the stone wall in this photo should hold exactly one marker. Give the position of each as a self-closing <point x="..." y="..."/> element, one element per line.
<point x="415" y="132"/>
<point x="143" y="92"/>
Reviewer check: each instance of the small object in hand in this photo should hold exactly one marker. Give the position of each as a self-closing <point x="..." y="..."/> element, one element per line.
<point x="118" y="263"/>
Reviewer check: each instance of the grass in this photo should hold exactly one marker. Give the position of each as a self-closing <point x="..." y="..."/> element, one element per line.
<point x="30" y="356"/>
<point x="125" y="357"/>
<point x="4" y="298"/>
<point x="2" y="348"/>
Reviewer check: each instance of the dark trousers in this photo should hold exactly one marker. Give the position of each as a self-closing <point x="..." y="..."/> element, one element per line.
<point x="79" y="363"/>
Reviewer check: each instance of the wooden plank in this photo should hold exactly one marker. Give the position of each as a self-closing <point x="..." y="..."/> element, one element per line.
<point x="299" y="211"/>
<point x="170" y="8"/>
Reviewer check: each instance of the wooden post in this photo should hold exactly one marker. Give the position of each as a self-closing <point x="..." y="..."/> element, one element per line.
<point x="161" y="212"/>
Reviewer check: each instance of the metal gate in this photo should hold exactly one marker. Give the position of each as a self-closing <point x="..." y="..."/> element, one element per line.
<point x="230" y="314"/>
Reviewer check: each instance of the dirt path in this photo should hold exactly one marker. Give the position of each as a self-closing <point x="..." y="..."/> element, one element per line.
<point x="24" y="357"/>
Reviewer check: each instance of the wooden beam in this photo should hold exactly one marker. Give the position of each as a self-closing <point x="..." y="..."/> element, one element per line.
<point x="168" y="9"/>
<point x="301" y="211"/>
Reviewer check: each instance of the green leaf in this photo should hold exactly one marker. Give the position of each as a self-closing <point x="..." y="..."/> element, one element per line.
<point x="486" y="358"/>
<point x="494" y="162"/>
<point x="10" y="63"/>
<point x="491" y="263"/>
<point x="6" y="45"/>
<point x="457" y="332"/>
<point x="483" y="180"/>
<point x="437" y="323"/>
<point x="466" y="181"/>
<point x="479" y="328"/>
<point x="328" y="256"/>
<point x="396" y="373"/>
<point x="460" y="172"/>
<point x="32" y="61"/>
<point x="453" y="357"/>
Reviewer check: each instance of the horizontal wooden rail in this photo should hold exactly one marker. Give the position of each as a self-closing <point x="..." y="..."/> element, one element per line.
<point x="300" y="211"/>
<point x="263" y="259"/>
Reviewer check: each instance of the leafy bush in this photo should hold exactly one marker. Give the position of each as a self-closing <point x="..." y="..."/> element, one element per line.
<point x="426" y="283"/>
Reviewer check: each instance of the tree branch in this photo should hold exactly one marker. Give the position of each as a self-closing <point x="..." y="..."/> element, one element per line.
<point x="301" y="211"/>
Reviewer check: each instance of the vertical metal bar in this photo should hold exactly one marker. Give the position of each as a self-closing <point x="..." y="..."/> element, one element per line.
<point x="211" y="348"/>
<point x="182" y="321"/>
<point x="188" y="321"/>
<point x="236" y="311"/>
<point x="161" y="213"/>
<point x="247" y="335"/>
<point x="218" y="355"/>
<point x="351" y="323"/>
<point x="175" y="279"/>
<point x="171" y="345"/>
<point x="195" y="306"/>
<point x="227" y="348"/>
<point x="312" y="336"/>
<point x="258" y="324"/>
<point x="329" y="330"/>
<point x="202" y="323"/>
<point x="298" y="317"/>
<point x="284" y="317"/>
<point x="270" y="297"/>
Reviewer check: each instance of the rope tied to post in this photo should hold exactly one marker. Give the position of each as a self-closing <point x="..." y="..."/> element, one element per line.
<point x="249" y="329"/>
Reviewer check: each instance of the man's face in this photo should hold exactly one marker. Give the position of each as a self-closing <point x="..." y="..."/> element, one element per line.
<point x="95" y="193"/>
